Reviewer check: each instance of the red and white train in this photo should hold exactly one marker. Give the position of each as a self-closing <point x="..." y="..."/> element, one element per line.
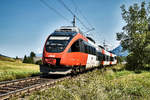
<point x="67" y="50"/>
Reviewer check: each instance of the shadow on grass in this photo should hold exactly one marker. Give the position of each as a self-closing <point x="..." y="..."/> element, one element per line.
<point x="137" y="70"/>
<point x="118" y="70"/>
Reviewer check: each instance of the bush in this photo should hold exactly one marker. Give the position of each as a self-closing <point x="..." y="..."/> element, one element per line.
<point x="39" y="62"/>
<point x="132" y="62"/>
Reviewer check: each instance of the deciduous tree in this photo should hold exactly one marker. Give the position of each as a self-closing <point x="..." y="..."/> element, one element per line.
<point x="135" y="36"/>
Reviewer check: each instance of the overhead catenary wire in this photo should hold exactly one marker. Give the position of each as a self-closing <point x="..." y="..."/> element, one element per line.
<point x="87" y="21"/>
<point x="61" y="1"/>
<point x="51" y="8"/>
<point x="61" y="15"/>
<point x="83" y="16"/>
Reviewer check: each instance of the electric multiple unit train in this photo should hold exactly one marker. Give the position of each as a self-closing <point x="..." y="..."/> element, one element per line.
<point x="67" y="50"/>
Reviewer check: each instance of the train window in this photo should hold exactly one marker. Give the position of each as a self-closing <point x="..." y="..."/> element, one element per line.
<point x="104" y="57"/>
<point x="86" y="49"/>
<point x="56" y="45"/>
<point x="111" y="59"/>
<point x="108" y="58"/>
<point x="82" y="47"/>
<point x="75" y="46"/>
<point x="94" y="51"/>
<point x="100" y="56"/>
<point x="90" y="50"/>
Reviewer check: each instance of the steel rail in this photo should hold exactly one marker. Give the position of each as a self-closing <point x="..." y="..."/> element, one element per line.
<point x="18" y="87"/>
<point x="13" y="82"/>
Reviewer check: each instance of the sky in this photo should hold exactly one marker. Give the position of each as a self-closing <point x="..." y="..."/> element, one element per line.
<point x="25" y="24"/>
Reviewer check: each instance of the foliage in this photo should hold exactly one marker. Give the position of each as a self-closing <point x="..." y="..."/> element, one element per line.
<point x="135" y="36"/>
<point x="25" y="59"/>
<point x="147" y="54"/>
<point x="32" y="54"/>
<point x="120" y="59"/>
<point x="113" y="83"/>
<point x="14" y="70"/>
<point x="30" y="58"/>
<point x="16" y="58"/>
<point x="39" y="62"/>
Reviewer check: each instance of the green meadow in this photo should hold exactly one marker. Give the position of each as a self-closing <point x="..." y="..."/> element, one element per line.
<point x="11" y="69"/>
<point x="111" y="83"/>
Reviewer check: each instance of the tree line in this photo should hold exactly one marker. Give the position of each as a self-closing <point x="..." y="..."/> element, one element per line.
<point x="29" y="59"/>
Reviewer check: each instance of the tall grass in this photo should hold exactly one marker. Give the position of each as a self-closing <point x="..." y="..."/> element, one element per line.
<point x="14" y="70"/>
<point x="6" y="59"/>
<point x="109" y="84"/>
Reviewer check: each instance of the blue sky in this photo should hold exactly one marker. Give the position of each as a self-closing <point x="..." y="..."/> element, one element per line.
<point x="25" y="24"/>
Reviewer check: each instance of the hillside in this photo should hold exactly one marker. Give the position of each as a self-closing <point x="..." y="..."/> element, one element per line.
<point x="119" y="51"/>
<point x="13" y="69"/>
<point x="5" y="58"/>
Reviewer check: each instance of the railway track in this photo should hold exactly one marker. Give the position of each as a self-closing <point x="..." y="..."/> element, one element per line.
<point x="18" y="87"/>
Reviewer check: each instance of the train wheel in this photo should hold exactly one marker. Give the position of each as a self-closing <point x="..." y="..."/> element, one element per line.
<point x="44" y="75"/>
<point x="82" y="69"/>
<point x="74" y="71"/>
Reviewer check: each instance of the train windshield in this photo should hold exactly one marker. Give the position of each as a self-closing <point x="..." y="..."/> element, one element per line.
<point x="57" y="44"/>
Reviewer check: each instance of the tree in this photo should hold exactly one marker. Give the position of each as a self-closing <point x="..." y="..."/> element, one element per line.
<point x="29" y="59"/>
<point x="25" y="60"/>
<point x="32" y="54"/>
<point x="16" y="58"/>
<point x="135" y="36"/>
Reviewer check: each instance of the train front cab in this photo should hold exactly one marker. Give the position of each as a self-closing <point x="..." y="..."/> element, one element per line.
<point x="63" y="62"/>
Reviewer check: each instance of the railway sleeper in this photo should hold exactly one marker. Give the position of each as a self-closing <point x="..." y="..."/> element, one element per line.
<point x="8" y="88"/>
<point x="3" y="91"/>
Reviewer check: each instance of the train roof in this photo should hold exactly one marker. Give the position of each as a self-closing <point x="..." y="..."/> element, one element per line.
<point x="90" y="39"/>
<point x="101" y="46"/>
<point x="68" y="29"/>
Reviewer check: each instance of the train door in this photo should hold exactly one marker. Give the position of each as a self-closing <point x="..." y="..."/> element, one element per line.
<point x="78" y="49"/>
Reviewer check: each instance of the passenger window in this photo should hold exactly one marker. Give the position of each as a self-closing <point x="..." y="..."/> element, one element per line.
<point x="108" y="58"/>
<point x="104" y="57"/>
<point x="86" y="49"/>
<point x="94" y="51"/>
<point x="82" y="46"/>
<point x="100" y="56"/>
<point x="111" y="58"/>
<point x="75" y="46"/>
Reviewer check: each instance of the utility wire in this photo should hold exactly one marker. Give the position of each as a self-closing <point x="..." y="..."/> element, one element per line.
<point x="85" y="18"/>
<point x="61" y="1"/>
<point x="51" y="8"/>
<point x="75" y="7"/>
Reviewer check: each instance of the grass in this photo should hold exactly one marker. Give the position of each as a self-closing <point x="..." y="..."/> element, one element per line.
<point x="6" y="59"/>
<point x="10" y="70"/>
<point x="112" y="83"/>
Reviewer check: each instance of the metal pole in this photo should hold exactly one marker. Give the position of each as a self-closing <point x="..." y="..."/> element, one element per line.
<point x="74" y="21"/>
